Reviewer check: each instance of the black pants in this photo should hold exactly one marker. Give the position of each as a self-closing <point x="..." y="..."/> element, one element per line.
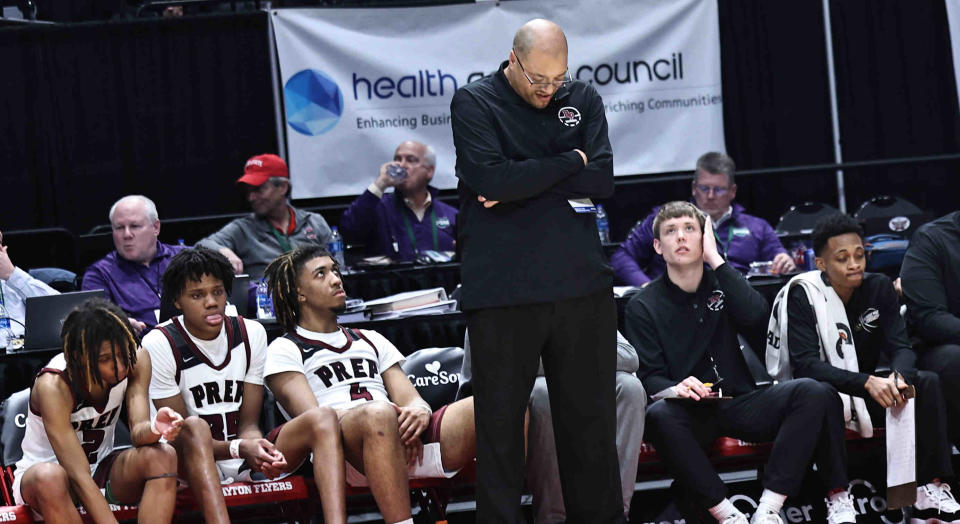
<point x="945" y="362"/>
<point x="933" y="447"/>
<point x="577" y="341"/>
<point x="803" y="418"/>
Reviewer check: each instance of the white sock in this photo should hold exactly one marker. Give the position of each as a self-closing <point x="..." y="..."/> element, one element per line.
<point x="840" y="494"/>
<point x="408" y="521"/>
<point x="723" y="510"/>
<point x="770" y="502"/>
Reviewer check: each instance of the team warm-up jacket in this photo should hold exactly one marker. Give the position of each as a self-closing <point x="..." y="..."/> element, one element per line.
<point x="874" y="321"/>
<point x="931" y="282"/>
<point x="677" y="333"/>
<point x="531" y="247"/>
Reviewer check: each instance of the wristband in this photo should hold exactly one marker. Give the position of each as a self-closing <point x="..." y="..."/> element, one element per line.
<point x="235" y="448"/>
<point x="153" y="425"/>
<point x="420" y="403"/>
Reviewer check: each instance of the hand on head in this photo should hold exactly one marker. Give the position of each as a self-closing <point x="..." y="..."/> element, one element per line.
<point x="711" y="255"/>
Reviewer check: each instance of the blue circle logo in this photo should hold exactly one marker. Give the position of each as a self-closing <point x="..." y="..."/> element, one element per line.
<point x="313" y="102"/>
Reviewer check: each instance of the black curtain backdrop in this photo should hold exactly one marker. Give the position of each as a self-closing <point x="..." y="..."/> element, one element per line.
<point x="173" y="107"/>
<point x="897" y="97"/>
<point x="168" y="108"/>
<point x="776" y="101"/>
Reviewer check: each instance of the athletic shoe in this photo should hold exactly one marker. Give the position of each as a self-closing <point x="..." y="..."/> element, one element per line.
<point x="736" y="518"/>
<point x="841" y="510"/>
<point x="766" y="518"/>
<point x="935" y="504"/>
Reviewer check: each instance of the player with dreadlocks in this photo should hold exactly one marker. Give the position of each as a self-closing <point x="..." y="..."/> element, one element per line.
<point x="383" y="421"/>
<point x="209" y="368"/>
<point x="75" y="401"/>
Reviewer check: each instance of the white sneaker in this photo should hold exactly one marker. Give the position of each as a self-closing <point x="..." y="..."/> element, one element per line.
<point x="935" y="504"/>
<point x="736" y="518"/>
<point x="841" y="510"/>
<point x="766" y="518"/>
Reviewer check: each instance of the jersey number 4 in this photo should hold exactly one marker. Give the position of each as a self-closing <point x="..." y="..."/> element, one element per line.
<point x="357" y="393"/>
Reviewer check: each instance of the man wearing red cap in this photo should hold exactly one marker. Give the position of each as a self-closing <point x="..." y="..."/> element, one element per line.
<point x="274" y="227"/>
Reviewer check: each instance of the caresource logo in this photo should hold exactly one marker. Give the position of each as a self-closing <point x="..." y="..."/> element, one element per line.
<point x="313" y="102"/>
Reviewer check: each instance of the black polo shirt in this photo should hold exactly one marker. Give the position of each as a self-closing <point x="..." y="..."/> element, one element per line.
<point x="679" y="334"/>
<point x="531" y="247"/>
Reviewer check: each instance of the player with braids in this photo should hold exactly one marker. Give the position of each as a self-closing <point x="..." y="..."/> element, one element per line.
<point x="282" y="282"/>
<point x="75" y="403"/>
<point x="209" y="368"/>
<point x="82" y="329"/>
<point x="390" y="434"/>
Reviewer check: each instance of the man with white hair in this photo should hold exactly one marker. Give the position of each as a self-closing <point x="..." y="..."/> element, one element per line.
<point x="409" y="220"/>
<point x="130" y="275"/>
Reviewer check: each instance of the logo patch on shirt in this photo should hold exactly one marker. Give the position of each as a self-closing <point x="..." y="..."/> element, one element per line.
<point x="867" y="319"/>
<point x="899" y="224"/>
<point x="715" y="301"/>
<point x="569" y="116"/>
<point x="741" y="232"/>
<point x="443" y="222"/>
<point x="845" y="338"/>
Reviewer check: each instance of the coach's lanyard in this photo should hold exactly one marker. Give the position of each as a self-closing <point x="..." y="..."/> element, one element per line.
<point x="433" y="228"/>
<point x="283" y="240"/>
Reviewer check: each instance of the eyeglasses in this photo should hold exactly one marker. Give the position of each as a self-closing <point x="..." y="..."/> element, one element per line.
<point x="717" y="190"/>
<point x="556" y="83"/>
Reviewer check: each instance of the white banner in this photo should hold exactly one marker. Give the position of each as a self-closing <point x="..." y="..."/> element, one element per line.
<point x="953" y="20"/>
<point x="358" y="82"/>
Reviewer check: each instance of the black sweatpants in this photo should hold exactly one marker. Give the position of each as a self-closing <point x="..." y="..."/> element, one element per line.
<point x="945" y="362"/>
<point x="803" y="418"/>
<point x="930" y="420"/>
<point x="576" y="339"/>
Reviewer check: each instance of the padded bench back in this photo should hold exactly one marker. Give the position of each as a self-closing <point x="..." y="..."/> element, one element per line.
<point x="436" y="374"/>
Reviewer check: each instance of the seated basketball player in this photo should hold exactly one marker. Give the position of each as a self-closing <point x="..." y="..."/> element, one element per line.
<point x="389" y="433"/>
<point x="209" y="368"/>
<point x="75" y="403"/>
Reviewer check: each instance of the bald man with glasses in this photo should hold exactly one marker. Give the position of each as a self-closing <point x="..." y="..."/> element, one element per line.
<point x="532" y="150"/>
<point x="742" y="238"/>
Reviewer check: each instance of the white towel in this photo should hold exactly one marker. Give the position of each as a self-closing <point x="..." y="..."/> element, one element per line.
<point x="836" y="342"/>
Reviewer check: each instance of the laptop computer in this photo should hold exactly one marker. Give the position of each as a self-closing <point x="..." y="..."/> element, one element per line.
<point x="45" y="316"/>
<point x="239" y="297"/>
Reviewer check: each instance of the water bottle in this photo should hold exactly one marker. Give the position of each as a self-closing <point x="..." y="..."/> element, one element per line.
<point x="603" y="225"/>
<point x="336" y="248"/>
<point x="264" y="303"/>
<point x="6" y="334"/>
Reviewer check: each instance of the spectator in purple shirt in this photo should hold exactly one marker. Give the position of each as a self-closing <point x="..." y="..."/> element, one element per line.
<point x="742" y="238"/>
<point x="130" y="275"/>
<point x="407" y="221"/>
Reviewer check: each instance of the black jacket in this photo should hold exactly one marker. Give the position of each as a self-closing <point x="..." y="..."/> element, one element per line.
<point x="930" y="278"/>
<point x="873" y="315"/>
<point x="676" y="333"/>
<point x="531" y="247"/>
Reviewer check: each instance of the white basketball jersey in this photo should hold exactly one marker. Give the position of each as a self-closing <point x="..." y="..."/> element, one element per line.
<point x="212" y="391"/>
<point x="346" y="376"/>
<point x="94" y="425"/>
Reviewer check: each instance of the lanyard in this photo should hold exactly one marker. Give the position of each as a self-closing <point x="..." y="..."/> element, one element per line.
<point x="433" y="228"/>
<point x="726" y="247"/>
<point x="155" y="289"/>
<point x="282" y="239"/>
